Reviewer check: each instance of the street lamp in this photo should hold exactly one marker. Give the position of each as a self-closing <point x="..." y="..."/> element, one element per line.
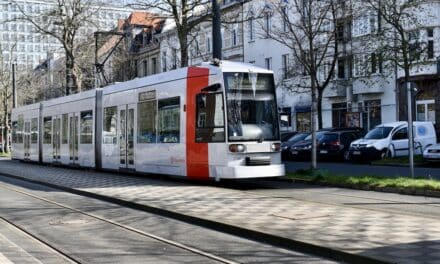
<point x="410" y="128"/>
<point x="216" y="31"/>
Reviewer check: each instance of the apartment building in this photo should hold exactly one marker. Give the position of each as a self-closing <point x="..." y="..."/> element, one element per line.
<point x="21" y="44"/>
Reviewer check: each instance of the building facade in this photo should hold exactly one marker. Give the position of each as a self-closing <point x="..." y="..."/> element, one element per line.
<point x="21" y="44"/>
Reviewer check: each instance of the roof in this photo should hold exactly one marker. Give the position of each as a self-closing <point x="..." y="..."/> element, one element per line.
<point x="233" y="66"/>
<point x="147" y="19"/>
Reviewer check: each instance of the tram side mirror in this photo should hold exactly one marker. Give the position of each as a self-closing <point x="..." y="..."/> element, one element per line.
<point x="212" y="88"/>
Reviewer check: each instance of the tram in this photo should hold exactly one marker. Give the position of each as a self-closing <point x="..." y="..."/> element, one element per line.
<point x="213" y="121"/>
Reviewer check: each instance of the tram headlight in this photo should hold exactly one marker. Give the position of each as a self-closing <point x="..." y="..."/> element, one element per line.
<point x="237" y="148"/>
<point x="275" y="146"/>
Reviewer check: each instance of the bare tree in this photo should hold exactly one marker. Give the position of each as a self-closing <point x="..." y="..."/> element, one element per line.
<point x="308" y="29"/>
<point x="63" y="21"/>
<point x="5" y="97"/>
<point x="399" y="42"/>
<point x="186" y="14"/>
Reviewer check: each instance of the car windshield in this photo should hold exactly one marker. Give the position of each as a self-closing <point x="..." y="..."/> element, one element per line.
<point x="329" y="137"/>
<point x="379" y="132"/>
<point x="298" y="137"/>
<point x="319" y="136"/>
<point x="251" y="105"/>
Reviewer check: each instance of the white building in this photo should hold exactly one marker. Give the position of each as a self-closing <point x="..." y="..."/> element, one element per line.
<point x="20" y="42"/>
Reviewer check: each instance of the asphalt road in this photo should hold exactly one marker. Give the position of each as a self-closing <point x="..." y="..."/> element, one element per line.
<point x="87" y="239"/>
<point x="355" y="169"/>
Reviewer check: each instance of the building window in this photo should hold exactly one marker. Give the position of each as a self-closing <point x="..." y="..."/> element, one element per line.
<point x="164" y="61"/>
<point x="169" y="120"/>
<point x="267" y="24"/>
<point x="251" y="28"/>
<point x="425" y="110"/>
<point x="154" y="65"/>
<point x="285" y="62"/>
<point x="234" y="37"/>
<point x="371" y="114"/>
<point x="147" y="122"/>
<point x="268" y="63"/>
<point x="145" y="67"/>
<point x="86" y="127"/>
<point x="109" y="126"/>
<point x="430" y="47"/>
<point x="339" y="110"/>
<point x="208" y="44"/>
<point x="285" y="19"/>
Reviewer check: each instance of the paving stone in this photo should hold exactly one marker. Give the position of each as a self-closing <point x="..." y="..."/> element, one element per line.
<point x="394" y="237"/>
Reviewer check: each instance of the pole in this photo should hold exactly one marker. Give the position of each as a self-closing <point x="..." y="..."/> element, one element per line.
<point x="216" y="31"/>
<point x="14" y="91"/>
<point x="410" y="129"/>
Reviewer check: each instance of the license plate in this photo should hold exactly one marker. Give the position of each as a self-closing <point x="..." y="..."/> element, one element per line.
<point x="356" y="153"/>
<point x="294" y="152"/>
<point x="323" y="152"/>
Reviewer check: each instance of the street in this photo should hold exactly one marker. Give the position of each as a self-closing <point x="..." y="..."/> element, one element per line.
<point x="89" y="231"/>
<point x="280" y="218"/>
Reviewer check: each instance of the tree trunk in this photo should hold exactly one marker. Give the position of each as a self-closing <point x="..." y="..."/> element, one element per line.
<point x="313" y="124"/>
<point x="71" y="86"/>
<point x="319" y="105"/>
<point x="5" y="125"/>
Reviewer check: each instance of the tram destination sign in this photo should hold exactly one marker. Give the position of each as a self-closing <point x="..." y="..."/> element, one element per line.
<point x="148" y="95"/>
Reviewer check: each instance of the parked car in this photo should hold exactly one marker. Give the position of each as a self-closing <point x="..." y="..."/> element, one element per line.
<point x="285" y="146"/>
<point x="391" y="139"/>
<point x="302" y="150"/>
<point x="287" y="135"/>
<point x="432" y="153"/>
<point x="336" y="145"/>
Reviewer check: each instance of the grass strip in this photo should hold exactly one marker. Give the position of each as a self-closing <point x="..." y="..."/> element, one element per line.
<point x="5" y="155"/>
<point x="366" y="181"/>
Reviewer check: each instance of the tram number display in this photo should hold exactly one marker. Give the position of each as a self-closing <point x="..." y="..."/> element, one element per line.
<point x="149" y="95"/>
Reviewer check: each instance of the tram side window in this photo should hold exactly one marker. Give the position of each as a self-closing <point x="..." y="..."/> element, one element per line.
<point x="65" y="129"/>
<point x="169" y="120"/>
<point x="210" y="125"/>
<point x="20" y="125"/>
<point x="110" y="125"/>
<point x="34" y="131"/>
<point x="47" y="139"/>
<point x="14" y="131"/>
<point x="86" y="127"/>
<point x="147" y="122"/>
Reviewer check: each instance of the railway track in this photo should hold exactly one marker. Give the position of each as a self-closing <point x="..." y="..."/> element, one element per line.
<point x="74" y="259"/>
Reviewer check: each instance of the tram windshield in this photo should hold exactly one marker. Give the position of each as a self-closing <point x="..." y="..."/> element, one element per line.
<point x="251" y="107"/>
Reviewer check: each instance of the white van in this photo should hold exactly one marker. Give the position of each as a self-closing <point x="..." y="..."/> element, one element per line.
<point x="391" y="139"/>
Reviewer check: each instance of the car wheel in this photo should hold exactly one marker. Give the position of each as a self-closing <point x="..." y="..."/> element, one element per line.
<point x="386" y="153"/>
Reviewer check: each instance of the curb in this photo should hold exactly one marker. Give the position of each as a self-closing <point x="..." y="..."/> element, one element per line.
<point x="274" y="240"/>
<point x="405" y="191"/>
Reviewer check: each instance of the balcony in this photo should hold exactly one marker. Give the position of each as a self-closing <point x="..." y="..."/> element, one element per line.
<point x="370" y="85"/>
<point x="337" y="88"/>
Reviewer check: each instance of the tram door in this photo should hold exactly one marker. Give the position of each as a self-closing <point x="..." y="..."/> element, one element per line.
<point x="126" y="136"/>
<point x="56" y="141"/>
<point x="73" y="137"/>
<point x="27" y="139"/>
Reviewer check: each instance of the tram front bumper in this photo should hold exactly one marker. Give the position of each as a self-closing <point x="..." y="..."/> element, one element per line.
<point x="240" y="172"/>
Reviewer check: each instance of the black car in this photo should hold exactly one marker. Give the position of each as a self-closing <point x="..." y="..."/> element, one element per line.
<point x="285" y="146"/>
<point x="287" y="135"/>
<point x="302" y="150"/>
<point x="335" y="145"/>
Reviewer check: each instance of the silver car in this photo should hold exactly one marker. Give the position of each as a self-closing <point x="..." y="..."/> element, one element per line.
<point x="432" y="153"/>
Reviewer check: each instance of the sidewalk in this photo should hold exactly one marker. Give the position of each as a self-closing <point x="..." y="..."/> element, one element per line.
<point x="390" y="237"/>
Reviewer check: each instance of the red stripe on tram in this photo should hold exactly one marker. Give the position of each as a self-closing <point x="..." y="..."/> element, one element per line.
<point x="197" y="160"/>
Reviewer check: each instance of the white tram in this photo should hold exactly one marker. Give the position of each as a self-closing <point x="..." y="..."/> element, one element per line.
<point x="212" y="121"/>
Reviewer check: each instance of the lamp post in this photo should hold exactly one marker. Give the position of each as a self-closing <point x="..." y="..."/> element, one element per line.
<point x="216" y="31"/>
<point x="410" y="129"/>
